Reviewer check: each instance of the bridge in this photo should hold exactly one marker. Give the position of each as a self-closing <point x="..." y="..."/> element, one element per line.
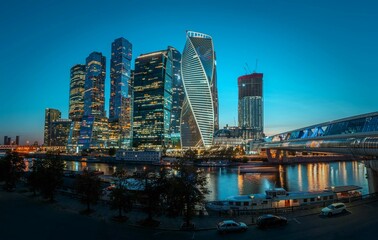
<point x="356" y="135"/>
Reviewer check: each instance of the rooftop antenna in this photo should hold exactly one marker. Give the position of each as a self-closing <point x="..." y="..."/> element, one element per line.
<point x="247" y="69"/>
<point x="255" y="70"/>
<point x="234" y="122"/>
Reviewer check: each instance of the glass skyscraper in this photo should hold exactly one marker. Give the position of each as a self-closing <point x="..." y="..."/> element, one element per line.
<point x="152" y="99"/>
<point x="120" y="107"/>
<point x="178" y="95"/>
<point x="94" y="127"/>
<point x="94" y="94"/>
<point x="199" y="116"/>
<point x="76" y="102"/>
<point x="50" y="116"/>
<point x="60" y="129"/>
<point x="250" y="105"/>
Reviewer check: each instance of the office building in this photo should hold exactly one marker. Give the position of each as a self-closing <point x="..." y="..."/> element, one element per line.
<point x="120" y="107"/>
<point x="199" y="116"/>
<point x="152" y="99"/>
<point x="94" y="94"/>
<point x="178" y="95"/>
<point x="250" y="105"/>
<point x="76" y="98"/>
<point x="17" y="140"/>
<point x="60" y="129"/>
<point x="94" y="126"/>
<point x="50" y="115"/>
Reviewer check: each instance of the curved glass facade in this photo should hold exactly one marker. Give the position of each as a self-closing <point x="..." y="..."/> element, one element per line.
<point x="199" y="116"/>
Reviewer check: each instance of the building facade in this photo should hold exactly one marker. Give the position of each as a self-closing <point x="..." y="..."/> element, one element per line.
<point x="94" y="126"/>
<point x="199" y="115"/>
<point x="152" y="99"/>
<point x="76" y="101"/>
<point x="121" y="94"/>
<point x="94" y="94"/>
<point x="60" y="129"/>
<point x="250" y="105"/>
<point x="178" y="95"/>
<point x="50" y="115"/>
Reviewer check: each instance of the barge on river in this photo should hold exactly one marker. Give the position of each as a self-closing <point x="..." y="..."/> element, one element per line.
<point x="279" y="198"/>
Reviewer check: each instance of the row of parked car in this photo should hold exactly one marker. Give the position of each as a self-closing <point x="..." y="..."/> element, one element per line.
<point x="270" y="220"/>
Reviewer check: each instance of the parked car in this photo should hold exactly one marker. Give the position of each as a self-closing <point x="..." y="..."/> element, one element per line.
<point x="231" y="226"/>
<point x="270" y="220"/>
<point x="334" y="208"/>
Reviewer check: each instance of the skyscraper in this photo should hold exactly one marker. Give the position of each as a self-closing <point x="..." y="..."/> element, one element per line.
<point x="94" y="85"/>
<point x="76" y="101"/>
<point x="199" y="116"/>
<point x="94" y="127"/>
<point x="178" y="95"/>
<point x="250" y="105"/>
<point x="60" y="129"/>
<point x="120" y="107"/>
<point x="152" y="99"/>
<point x="50" y="115"/>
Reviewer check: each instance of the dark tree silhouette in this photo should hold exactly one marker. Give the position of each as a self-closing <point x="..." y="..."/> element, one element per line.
<point x="88" y="186"/>
<point x="120" y="196"/>
<point x="49" y="175"/>
<point x="11" y="169"/>
<point x="187" y="190"/>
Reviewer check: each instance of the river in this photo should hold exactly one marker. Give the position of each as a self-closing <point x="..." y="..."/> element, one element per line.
<point x="227" y="181"/>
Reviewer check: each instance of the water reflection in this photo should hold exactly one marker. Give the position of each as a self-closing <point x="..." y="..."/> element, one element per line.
<point x="225" y="182"/>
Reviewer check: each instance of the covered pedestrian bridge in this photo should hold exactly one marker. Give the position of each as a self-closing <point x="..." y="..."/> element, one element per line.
<point x="357" y="136"/>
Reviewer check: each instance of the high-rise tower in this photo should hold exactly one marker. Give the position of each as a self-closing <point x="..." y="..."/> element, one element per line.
<point x="250" y="105"/>
<point x="199" y="116"/>
<point x="76" y="101"/>
<point x="178" y="95"/>
<point x="94" y="85"/>
<point x="94" y="127"/>
<point x="152" y="99"/>
<point x="120" y="107"/>
<point x="50" y="116"/>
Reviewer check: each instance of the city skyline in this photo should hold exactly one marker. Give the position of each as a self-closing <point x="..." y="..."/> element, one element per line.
<point x="318" y="58"/>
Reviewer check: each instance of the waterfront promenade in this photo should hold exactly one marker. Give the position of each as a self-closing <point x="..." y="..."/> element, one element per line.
<point x="62" y="220"/>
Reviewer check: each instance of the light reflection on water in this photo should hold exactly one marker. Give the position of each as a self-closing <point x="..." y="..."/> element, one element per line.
<point x="225" y="182"/>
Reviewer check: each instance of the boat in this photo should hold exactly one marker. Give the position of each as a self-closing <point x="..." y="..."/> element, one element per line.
<point x="272" y="198"/>
<point x="259" y="169"/>
<point x="213" y="164"/>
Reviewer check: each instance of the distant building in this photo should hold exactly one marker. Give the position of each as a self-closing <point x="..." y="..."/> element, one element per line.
<point x="6" y="140"/>
<point x="76" y="98"/>
<point x="199" y="116"/>
<point x="121" y="94"/>
<point x="250" y="105"/>
<point x="178" y="95"/>
<point x="50" y="115"/>
<point x="229" y="136"/>
<point x="60" y="129"/>
<point x="17" y="140"/>
<point x="152" y="99"/>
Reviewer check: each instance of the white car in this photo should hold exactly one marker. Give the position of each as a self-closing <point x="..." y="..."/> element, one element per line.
<point x="231" y="226"/>
<point x="334" y="208"/>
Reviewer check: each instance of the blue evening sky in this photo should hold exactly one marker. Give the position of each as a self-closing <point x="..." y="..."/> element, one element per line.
<point x="319" y="58"/>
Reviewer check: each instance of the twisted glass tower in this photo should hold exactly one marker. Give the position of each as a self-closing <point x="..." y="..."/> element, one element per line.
<point x="199" y="116"/>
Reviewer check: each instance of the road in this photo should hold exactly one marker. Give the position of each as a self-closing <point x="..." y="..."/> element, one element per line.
<point x="23" y="218"/>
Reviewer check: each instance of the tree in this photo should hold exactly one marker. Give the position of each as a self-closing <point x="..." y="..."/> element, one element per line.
<point x="120" y="197"/>
<point x="112" y="151"/>
<point x="12" y="167"/>
<point x="187" y="189"/>
<point x="152" y="187"/>
<point x="49" y="175"/>
<point x="33" y="178"/>
<point x="88" y="186"/>
<point x="190" y="154"/>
